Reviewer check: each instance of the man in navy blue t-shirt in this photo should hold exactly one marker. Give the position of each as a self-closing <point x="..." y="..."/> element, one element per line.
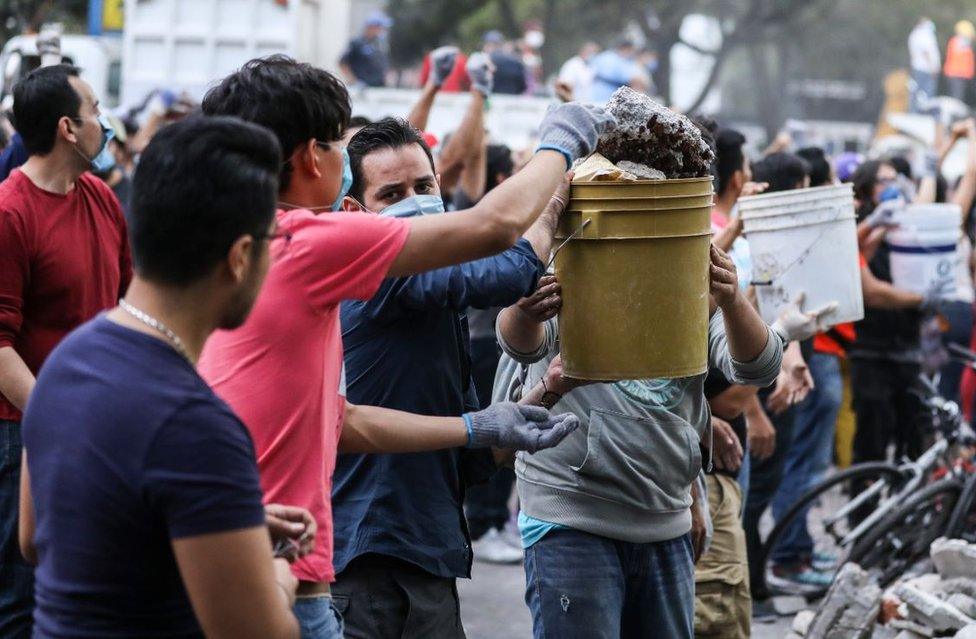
<point x="140" y="499"/>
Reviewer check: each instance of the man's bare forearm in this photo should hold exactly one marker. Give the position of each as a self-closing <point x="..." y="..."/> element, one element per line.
<point x="370" y="429"/>
<point x="16" y="380"/>
<point x="520" y="332"/>
<point x="745" y="331"/>
<point x="420" y="112"/>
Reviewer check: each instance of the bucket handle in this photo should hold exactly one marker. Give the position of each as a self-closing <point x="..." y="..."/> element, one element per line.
<point x="566" y="241"/>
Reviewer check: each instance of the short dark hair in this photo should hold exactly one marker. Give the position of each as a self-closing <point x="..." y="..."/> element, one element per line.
<point x="388" y="133"/>
<point x="498" y="160"/>
<point x="781" y="170"/>
<point x="902" y="165"/>
<point x="200" y="185"/>
<point x="728" y="157"/>
<point x="358" y="121"/>
<point x="40" y="100"/>
<point x="296" y="101"/>
<point x="819" y="166"/>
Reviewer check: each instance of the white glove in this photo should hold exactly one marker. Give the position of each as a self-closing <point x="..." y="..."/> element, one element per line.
<point x="795" y="325"/>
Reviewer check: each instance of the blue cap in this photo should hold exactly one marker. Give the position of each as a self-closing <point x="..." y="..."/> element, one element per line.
<point x="379" y="19"/>
<point x="494" y="36"/>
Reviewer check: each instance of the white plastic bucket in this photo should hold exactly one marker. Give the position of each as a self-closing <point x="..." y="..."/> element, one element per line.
<point x="923" y="247"/>
<point x="805" y="240"/>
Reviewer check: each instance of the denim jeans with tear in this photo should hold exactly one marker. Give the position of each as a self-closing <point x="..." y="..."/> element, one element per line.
<point x="582" y="586"/>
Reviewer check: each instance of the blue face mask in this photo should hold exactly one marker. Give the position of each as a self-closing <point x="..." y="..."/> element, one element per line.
<point x="104" y="160"/>
<point x="346" y="180"/>
<point x="426" y="204"/>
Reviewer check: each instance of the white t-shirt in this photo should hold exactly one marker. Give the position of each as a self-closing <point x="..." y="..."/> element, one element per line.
<point x="577" y="73"/>
<point x="923" y="48"/>
<point x="964" y="277"/>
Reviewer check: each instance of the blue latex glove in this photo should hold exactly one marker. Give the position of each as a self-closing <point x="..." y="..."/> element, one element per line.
<point x="574" y="129"/>
<point x="509" y="425"/>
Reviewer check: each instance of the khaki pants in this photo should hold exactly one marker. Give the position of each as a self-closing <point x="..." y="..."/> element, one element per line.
<point x="723" y="605"/>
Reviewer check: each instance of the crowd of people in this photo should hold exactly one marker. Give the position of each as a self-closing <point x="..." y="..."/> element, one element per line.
<point x="958" y="71"/>
<point x="256" y="382"/>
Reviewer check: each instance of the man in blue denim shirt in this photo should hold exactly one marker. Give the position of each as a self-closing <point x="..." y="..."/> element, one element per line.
<point x="400" y="534"/>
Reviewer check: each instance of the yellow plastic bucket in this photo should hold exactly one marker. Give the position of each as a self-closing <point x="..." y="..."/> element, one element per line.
<point x="635" y="282"/>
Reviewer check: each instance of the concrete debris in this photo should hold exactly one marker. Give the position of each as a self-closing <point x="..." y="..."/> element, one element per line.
<point x="916" y="629"/>
<point x="969" y="632"/>
<point x="642" y="171"/>
<point x="850" y="608"/>
<point x="891" y="608"/>
<point x="802" y="621"/>
<point x="965" y="604"/>
<point x="931" y="611"/>
<point x="651" y="134"/>
<point x="954" y="558"/>
<point x="931" y="583"/>
<point x="960" y="585"/>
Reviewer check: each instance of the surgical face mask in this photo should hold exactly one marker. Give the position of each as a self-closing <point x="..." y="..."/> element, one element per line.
<point x="346" y="180"/>
<point x="426" y="204"/>
<point x="104" y="160"/>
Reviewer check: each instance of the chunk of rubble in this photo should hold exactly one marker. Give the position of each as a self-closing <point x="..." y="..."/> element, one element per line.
<point x="597" y="168"/>
<point x="912" y="628"/>
<point x="931" y="611"/>
<point x="651" y="134"/>
<point x="964" y="603"/>
<point x="850" y="608"/>
<point x="961" y="585"/>
<point x="642" y="171"/>
<point x="802" y="621"/>
<point x="954" y="558"/>
<point x="969" y="632"/>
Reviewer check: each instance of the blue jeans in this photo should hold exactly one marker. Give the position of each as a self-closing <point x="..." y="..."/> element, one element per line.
<point x="318" y="617"/>
<point x="808" y="454"/>
<point x="16" y="575"/>
<point x="926" y="86"/>
<point x="583" y="586"/>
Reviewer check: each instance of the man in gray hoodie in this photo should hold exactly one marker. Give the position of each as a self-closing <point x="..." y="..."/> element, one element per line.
<point x="606" y="516"/>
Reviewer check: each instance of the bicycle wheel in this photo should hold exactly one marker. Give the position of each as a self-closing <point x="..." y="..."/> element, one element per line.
<point x="905" y="534"/>
<point x="834" y="526"/>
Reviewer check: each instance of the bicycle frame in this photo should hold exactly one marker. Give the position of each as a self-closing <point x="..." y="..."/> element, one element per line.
<point x="915" y="471"/>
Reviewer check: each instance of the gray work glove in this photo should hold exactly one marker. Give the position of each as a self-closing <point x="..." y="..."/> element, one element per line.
<point x="509" y="425"/>
<point x="442" y="63"/>
<point x="574" y="129"/>
<point x="481" y="72"/>
<point x="884" y="214"/>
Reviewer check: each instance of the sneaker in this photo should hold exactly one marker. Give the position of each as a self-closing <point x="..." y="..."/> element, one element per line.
<point x="491" y="548"/>
<point x="763" y="611"/>
<point x="798" y="579"/>
<point x="824" y="561"/>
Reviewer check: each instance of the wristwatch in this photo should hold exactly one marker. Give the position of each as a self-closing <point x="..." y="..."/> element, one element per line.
<point x="549" y="398"/>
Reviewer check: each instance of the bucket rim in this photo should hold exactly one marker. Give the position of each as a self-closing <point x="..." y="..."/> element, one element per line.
<point x="707" y="178"/>
<point x="634" y="198"/>
<point x="840" y="189"/>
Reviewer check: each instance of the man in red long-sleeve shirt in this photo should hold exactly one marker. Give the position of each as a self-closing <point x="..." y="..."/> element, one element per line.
<point x="64" y="257"/>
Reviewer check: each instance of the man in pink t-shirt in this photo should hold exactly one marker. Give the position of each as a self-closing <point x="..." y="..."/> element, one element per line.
<point x="282" y="371"/>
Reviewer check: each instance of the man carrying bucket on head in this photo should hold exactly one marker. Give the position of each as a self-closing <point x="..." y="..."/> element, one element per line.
<point x="608" y="521"/>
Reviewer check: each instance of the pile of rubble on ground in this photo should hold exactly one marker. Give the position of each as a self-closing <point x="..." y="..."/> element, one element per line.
<point x="934" y="604"/>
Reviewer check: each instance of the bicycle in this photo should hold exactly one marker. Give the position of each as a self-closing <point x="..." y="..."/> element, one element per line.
<point x="891" y="522"/>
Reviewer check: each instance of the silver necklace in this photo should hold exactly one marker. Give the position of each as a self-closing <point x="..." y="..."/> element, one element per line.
<point x="154" y="323"/>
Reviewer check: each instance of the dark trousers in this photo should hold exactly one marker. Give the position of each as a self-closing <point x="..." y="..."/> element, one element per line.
<point x="885" y="409"/>
<point x="959" y="88"/>
<point x="764" y="480"/>
<point x="16" y="575"/>
<point x="486" y="505"/>
<point x="382" y="597"/>
<point x="579" y="585"/>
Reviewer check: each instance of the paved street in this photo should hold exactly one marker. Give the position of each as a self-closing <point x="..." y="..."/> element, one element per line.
<point x="492" y="606"/>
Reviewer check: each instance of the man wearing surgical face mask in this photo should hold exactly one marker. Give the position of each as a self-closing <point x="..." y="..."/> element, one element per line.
<point x="64" y="257"/>
<point x="407" y="348"/>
